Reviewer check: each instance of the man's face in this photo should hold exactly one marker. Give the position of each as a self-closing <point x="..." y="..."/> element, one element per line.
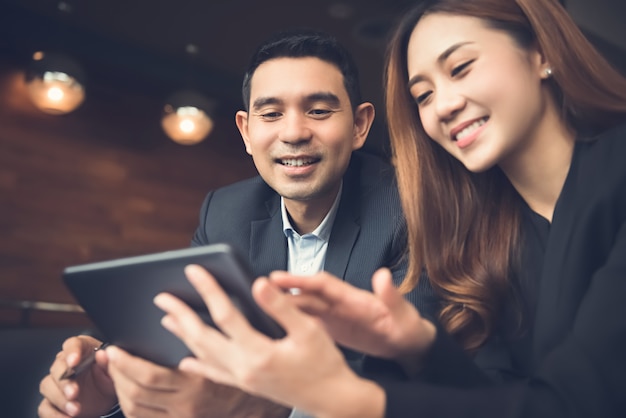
<point x="300" y="130"/>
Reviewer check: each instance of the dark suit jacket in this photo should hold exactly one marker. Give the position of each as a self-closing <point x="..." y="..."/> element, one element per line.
<point x="577" y="358"/>
<point x="369" y="231"/>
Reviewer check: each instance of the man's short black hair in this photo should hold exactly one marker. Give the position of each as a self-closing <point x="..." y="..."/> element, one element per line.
<point x="301" y="43"/>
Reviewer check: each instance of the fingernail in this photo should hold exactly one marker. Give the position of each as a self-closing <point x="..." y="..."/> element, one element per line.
<point x="71" y="359"/>
<point x="192" y="269"/>
<point x="157" y="300"/>
<point x="166" y="322"/>
<point x="111" y="353"/>
<point x="71" y="408"/>
<point x="68" y="390"/>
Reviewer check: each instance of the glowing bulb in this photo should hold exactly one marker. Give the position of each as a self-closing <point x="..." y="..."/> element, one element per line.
<point x="187" y="126"/>
<point x="55" y="94"/>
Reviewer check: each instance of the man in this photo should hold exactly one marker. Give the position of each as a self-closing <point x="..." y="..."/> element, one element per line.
<point x="316" y="205"/>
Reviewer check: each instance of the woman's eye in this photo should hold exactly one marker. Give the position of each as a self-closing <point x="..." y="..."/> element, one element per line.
<point x="459" y="68"/>
<point x="422" y="98"/>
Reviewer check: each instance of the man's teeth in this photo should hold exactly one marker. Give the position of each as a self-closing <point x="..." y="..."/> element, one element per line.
<point x="468" y="130"/>
<point x="296" y="162"/>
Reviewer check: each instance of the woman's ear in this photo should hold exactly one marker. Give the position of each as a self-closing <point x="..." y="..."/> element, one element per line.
<point x="540" y="63"/>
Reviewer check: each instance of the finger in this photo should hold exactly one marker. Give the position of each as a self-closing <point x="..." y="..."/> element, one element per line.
<point x="323" y="285"/>
<point x="53" y="392"/>
<point x="135" y="398"/>
<point x="48" y="410"/>
<point x="100" y="367"/>
<point x="204" y="341"/>
<point x="383" y="287"/>
<point x="336" y="298"/>
<point x="225" y="315"/>
<point x="59" y="367"/>
<point x="311" y="304"/>
<point x="280" y="306"/>
<point x="182" y="321"/>
<point x="142" y="372"/>
<point x="76" y="348"/>
<point x="288" y="281"/>
<point x="207" y="344"/>
<point x="207" y="370"/>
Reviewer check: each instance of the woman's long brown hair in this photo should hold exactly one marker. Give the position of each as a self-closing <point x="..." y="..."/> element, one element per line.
<point x="464" y="228"/>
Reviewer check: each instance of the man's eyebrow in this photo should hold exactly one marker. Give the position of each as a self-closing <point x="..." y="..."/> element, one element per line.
<point x="440" y="59"/>
<point x="326" y="97"/>
<point x="264" y="101"/>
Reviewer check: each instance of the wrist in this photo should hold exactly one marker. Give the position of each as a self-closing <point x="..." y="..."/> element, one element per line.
<point x="413" y="360"/>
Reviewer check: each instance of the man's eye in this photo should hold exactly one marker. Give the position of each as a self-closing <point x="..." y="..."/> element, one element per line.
<point x="270" y="115"/>
<point x="459" y="68"/>
<point x="320" y="111"/>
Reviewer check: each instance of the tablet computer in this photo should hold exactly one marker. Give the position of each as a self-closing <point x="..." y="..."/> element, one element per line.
<point x="117" y="296"/>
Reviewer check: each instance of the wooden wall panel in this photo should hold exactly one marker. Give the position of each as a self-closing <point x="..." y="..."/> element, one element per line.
<point x="100" y="183"/>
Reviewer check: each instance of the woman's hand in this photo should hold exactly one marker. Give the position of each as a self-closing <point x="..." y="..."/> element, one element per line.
<point x="381" y="323"/>
<point x="304" y="369"/>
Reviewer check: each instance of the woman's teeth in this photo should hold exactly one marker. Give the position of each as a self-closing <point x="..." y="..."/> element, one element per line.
<point x="468" y="130"/>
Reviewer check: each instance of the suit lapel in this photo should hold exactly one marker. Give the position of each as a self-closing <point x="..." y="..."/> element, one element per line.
<point x="344" y="232"/>
<point x="268" y="245"/>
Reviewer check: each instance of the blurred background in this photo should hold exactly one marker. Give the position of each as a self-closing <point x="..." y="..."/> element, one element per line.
<point x="105" y="179"/>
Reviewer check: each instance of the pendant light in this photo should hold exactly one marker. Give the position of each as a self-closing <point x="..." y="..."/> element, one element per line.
<point x="187" y="117"/>
<point x="55" y="83"/>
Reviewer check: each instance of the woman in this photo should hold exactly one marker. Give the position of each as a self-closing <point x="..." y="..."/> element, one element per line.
<point x="509" y="143"/>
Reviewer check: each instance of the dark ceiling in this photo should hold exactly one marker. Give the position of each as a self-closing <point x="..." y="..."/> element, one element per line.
<point x="145" y="44"/>
<point x="154" y="47"/>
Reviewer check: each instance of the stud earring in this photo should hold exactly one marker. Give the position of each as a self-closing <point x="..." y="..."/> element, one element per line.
<point x="548" y="72"/>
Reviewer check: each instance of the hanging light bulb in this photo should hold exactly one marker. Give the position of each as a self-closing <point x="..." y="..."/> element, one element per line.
<point x="187" y="117"/>
<point x="55" y="83"/>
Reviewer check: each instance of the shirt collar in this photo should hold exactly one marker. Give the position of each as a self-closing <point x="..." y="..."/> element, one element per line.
<point x="323" y="229"/>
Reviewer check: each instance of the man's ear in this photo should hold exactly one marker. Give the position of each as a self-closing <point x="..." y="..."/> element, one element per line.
<point x="363" y="119"/>
<point x="241" y="119"/>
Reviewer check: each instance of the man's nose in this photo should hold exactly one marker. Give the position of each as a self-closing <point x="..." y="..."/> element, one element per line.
<point x="295" y="128"/>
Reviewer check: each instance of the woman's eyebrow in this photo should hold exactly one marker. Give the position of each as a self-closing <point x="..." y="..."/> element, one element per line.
<point x="440" y="59"/>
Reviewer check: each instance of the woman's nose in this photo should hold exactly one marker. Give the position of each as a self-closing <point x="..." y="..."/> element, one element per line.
<point x="448" y="102"/>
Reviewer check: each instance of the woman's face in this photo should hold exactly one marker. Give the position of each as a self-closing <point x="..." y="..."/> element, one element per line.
<point x="479" y="93"/>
